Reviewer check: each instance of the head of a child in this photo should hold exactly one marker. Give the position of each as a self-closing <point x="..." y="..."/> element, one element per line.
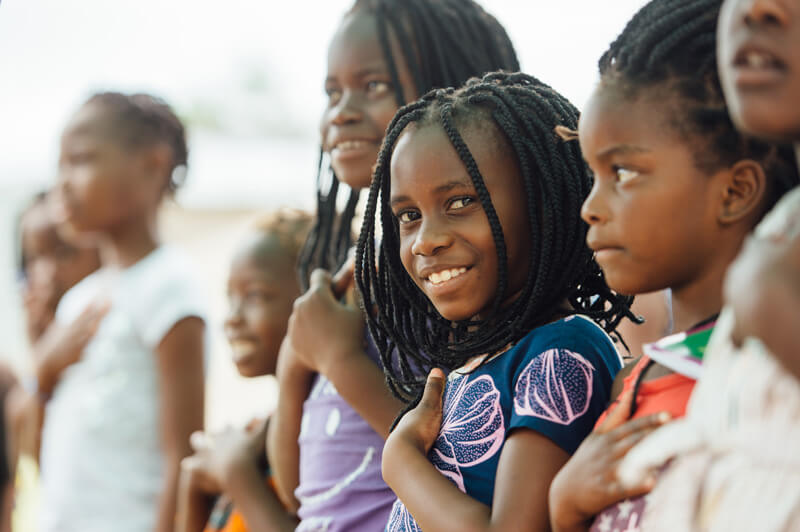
<point x="384" y="54"/>
<point x="262" y="287"/>
<point x="479" y="202"/>
<point x="120" y="154"/>
<point x="677" y="188"/>
<point x="760" y="66"/>
<point x="46" y="258"/>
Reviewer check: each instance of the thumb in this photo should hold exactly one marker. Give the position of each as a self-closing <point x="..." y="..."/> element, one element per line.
<point x="620" y="413"/>
<point x="344" y="277"/>
<point x="434" y="389"/>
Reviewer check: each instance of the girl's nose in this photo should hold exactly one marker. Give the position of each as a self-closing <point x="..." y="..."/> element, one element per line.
<point x="234" y="318"/>
<point x="765" y="12"/>
<point x="347" y="110"/>
<point x="593" y="210"/>
<point x="431" y="238"/>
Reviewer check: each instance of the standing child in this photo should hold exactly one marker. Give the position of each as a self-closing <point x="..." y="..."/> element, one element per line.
<point x="742" y="470"/>
<point x="262" y="286"/>
<point x="676" y="191"/>
<point x="121" y="408"/>
<point x="385" y="53"/>
<point x="483" y="270"/>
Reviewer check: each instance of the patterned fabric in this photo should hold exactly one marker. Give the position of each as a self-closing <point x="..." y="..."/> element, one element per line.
<point x="555" y="381"/>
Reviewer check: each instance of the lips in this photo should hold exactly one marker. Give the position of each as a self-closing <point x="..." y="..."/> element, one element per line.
<point x="756" y="66"/>
<point x="437" y="278"/>
<point x="242" y="347"/>
<point x="343" y="148"/>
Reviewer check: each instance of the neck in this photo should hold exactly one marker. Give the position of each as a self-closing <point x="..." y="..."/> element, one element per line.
<point x="702" y="298"/>
<point x="127" y="244"/>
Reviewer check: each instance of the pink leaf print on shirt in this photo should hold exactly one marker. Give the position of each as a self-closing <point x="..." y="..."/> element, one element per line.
<point x="400" y="519"/>
<point x="556" y="386"/>
<point x="473" y="428"/>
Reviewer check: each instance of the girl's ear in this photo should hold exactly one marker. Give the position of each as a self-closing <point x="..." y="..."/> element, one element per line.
<point x="157" y="166"/>
<point x="743" y="192"/>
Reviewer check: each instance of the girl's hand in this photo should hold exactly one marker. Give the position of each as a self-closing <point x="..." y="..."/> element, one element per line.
<point x="420" y="426"/>
<point x="322" y="330"/>
<point x="589" y="483"/>
<point x="220" y="457"/>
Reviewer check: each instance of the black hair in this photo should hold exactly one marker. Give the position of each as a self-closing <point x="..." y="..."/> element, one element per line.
<point x="671" y="45"/>
<point x="142" y="120"/>
<point x="411" y="336"/>
<point x="444" y="43"/>
<point x="38" y="201"/>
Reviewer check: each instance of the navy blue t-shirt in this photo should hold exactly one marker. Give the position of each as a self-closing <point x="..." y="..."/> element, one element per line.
<point x="556" y="381"/>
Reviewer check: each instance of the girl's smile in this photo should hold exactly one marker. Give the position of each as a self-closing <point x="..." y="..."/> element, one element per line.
<point x="446" y="244"/>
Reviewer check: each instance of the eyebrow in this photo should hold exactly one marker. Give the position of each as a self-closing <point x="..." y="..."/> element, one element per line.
<point x="621" y="149"/>
<point x="450" y="185"/>
<point x="364" y="72"/>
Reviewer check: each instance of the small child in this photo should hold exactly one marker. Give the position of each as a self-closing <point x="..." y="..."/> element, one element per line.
<point x="483" y="270"/>
<point x="693" y="163"/>
<point x="742" y="431"/>
<point x="123" y="363"/>
<point x="262" y="286"/>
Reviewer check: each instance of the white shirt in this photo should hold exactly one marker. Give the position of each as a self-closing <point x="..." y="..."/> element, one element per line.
<point x="101" y="458"/>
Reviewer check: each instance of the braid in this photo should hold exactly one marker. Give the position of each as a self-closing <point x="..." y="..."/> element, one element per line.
<point x="142" y="120"/>
<point x="524" y="113"/>
<point x="671" y="45"/>
<point x="444" y="43"/>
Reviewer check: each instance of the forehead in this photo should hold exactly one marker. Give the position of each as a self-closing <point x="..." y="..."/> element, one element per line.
<point x="263" y="252"/>
<point x="611" y="118"/>
<point x="355" y="44"/>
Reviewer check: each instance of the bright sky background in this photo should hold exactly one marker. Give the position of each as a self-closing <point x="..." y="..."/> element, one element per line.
<point x="258" y="64"/>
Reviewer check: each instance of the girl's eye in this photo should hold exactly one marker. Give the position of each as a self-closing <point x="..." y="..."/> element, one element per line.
<point x="378" y="87"/>
<point x="460" y="203"/>
<point x="405" y="217"/>
<point x="624" y="174"/>
<point x="333" y="94"/>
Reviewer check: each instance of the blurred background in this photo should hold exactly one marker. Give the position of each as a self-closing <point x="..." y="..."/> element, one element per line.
<point x="247" y="78"/>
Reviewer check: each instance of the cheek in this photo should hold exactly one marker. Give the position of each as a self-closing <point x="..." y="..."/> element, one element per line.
<point x="382" y="112"/>
<point x="268" y="321"/>
<point x="406" y="253"/>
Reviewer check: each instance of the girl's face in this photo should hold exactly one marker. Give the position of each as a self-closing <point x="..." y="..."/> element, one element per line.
<point x="446" y="243"/>
<point x="101" y="184"/>
<point x="361" y="98"/>
<point x="652" y="213"/>
<point x="758" y="44"/>
<point x="261" y="290"/>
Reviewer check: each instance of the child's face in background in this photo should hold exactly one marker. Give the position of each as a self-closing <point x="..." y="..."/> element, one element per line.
<point x="361" y="98"/>
<point x="446" y="244"/>
<point x="262" y="287"/>
<point x="652" y="213"/>
<point x="102" y="185"/>
<point x="759" y="63"/>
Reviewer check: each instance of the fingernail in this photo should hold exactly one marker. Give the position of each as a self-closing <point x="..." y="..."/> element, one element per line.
<point x="663" y="417"/>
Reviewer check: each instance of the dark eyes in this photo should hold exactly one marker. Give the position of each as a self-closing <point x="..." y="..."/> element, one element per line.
<point x="407" y="216"/>
<point x="411" y="215"/>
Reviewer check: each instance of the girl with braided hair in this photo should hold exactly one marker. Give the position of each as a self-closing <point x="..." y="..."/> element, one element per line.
<point x="122" y="364"/>
<point x="483" y="272"/>
<point x="385" y="53"/>
<point x="677" y="190"/>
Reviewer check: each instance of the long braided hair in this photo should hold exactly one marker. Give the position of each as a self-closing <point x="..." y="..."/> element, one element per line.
<point x="444" y="43"/>
<point x="411" y="335"/>
<point x="670" y="46"/>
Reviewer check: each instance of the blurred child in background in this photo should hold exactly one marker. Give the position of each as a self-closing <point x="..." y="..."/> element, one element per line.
<point x="224" y="483"/>
<point x="123" y="362"/>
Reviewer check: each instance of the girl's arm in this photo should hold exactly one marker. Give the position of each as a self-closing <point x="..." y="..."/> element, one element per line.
<point x="283" y="451"/>
<point x="528" y="463"/>
<point x="180" y="368"/>
<point x="329" y="337"/>
<point x="258" y="504"/>
<point x="193" y="505"/>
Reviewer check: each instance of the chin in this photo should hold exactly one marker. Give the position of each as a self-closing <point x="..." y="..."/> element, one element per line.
<point x="354" y="177"/>
<point x="766" y="119"/>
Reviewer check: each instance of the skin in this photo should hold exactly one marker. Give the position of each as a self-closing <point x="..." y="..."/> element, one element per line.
<point x="324" y="335"/>
<point x="644" y="174"/>
<point x="443" y="224"/>
<point x="108" y="194"/>
<point x="763" y="102"/>
<point x="260" y="300"/>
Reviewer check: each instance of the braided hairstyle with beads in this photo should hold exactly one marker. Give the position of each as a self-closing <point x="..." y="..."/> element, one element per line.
<point x="444" y="43"/>
<point x="669" y="46"/>
<point x="411" y="335"/>
<point x="140" y="120"/>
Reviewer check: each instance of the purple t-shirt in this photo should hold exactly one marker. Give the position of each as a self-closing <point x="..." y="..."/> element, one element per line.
<point x="341" y="487"/>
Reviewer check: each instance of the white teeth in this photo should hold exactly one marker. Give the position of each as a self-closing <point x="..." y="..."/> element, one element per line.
<point x="757" y="59"/>
<point x="351" y="144"/>
<point x="446" y="275"/>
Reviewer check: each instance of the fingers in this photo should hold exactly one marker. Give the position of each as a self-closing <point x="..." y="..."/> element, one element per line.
<point x="199" y="441"/>
<point x="320" y="279"/>
<point x="646" y="423"/>
<point x="619" y="491"/>
<point x="434" y="389"/>
<point x="619" y="414"/>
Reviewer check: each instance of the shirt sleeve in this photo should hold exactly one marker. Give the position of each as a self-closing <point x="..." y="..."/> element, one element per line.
<point x="556" y="394"/>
